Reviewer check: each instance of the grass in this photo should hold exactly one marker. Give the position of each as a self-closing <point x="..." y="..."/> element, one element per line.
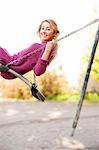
<point x="92" y="97"/>
<point x="89" y="97"/>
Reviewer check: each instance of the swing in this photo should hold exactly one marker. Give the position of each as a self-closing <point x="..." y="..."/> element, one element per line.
<point x="36" y="93"/>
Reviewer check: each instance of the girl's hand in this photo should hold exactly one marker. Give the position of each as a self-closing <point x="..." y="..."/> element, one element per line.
<point x="50" y="45"/>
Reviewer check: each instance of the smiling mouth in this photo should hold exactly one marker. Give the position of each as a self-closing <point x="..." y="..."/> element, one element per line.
<point x="44" y="36"/>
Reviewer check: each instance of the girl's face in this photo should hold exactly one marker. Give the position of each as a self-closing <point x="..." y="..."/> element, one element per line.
<point x="46" y="32"/>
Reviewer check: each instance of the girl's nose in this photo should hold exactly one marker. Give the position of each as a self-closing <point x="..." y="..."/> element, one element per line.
<point x="44" y="30"/>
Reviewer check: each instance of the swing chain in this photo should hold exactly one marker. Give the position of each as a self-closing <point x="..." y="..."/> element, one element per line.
<point x="35" y="83"/>
<point x="25" y="56"/>
<point x="73" y="32"/>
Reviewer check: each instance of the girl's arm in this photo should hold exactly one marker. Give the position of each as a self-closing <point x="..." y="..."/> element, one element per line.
<point x="45" y="59"/>
<point x="49" y="46"/>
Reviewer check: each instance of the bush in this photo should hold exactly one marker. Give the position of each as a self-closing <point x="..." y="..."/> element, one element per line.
<point x="14" y="89"/>
<point x="92" y="97"/>
<point x="52" y="84"/>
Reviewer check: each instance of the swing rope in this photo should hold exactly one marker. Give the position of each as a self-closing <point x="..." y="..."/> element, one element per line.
<point x="79" y="29"/>
<point x="69" y="34"/>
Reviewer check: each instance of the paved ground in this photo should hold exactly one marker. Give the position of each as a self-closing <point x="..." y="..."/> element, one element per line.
<point x="47" y="126"/>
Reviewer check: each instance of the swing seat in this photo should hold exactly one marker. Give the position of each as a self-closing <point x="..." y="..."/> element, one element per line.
<point x="34" y="91"/>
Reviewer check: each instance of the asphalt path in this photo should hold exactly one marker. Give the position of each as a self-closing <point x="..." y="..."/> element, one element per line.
<point x="47" y="125"/>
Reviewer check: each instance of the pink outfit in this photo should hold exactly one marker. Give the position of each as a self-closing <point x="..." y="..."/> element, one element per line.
<point x="26" y="64"/>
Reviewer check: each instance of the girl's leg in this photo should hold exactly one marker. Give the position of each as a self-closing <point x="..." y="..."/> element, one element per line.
<point x="24" y="65"/>
<point x="4" y="59"/>
<point x="4" y="56"/>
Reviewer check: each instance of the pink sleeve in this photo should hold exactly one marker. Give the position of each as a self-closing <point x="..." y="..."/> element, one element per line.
<point x="42" y="64"/>
<point x="40" y="67"/>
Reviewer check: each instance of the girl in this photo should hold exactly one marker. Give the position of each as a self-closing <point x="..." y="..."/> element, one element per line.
<point x="48" y="32"/>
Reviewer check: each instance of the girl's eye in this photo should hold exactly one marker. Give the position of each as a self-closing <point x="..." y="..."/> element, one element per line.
<point x="47" y="29"/>
<point x="42" y="28"/>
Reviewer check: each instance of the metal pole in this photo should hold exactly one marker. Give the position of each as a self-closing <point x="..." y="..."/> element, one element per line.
<point x="85" y="82"/>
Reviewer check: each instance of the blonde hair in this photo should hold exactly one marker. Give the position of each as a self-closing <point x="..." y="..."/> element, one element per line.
<point x="53" y="26"/>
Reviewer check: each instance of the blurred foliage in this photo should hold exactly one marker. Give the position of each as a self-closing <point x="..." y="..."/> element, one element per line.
<point x="65" y="97"/>
<point x="92" y="97"/>
<point x="50" y="84"/>
<point x="16" y="89"/>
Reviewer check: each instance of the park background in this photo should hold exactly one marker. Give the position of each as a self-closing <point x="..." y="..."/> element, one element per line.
<point x="19" y="21"/>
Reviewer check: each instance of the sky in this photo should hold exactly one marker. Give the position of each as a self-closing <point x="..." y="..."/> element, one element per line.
<point x="19" y="21"/>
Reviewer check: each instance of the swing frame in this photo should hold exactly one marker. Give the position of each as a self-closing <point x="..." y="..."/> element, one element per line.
<point x="85" y="82"/>
<point x="37" y="94"/>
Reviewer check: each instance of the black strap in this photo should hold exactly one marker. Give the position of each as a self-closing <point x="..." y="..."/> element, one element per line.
<point x="36" y="93"/>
